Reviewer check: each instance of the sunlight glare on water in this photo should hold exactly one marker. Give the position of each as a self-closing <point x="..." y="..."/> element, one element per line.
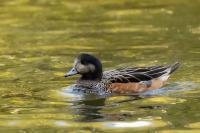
<point x="130" y="124"/>
<point x="39" y="40"/>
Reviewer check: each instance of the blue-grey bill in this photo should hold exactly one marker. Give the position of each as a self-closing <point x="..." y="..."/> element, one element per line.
<point x="73" y="71"/>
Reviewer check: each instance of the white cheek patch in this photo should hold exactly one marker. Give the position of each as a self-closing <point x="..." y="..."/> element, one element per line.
<point x="91" y="67"/>
<point x="82" y="68"/>
<point x="85" y="68"/>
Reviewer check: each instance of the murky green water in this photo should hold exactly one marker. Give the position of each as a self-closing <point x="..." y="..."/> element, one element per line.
<point x="40" y="38"/>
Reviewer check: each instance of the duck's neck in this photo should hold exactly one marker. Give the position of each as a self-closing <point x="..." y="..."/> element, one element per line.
<point x="92" y="76"/>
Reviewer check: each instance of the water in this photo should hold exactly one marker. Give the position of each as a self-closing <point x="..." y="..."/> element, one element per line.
<point x="39" y="40"/>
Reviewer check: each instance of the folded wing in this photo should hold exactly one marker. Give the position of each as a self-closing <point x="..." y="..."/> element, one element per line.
<point x="138" y="74"/>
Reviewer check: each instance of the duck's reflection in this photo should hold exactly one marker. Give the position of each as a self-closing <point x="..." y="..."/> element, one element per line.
<point x="90" y="107"/>
<point x="86" y="105"/>
<point x="90" y="110"/>
<point x="94" y="110"/>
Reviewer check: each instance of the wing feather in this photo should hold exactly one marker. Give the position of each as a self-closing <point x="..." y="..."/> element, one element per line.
<point x="136" y="74"/>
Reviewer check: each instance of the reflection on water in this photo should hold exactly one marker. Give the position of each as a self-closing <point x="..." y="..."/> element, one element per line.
<point x="39" y="40"/>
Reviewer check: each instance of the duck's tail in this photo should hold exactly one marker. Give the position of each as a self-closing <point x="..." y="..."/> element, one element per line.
<point x="174" y="67"/>
<point x="169" y="70"/>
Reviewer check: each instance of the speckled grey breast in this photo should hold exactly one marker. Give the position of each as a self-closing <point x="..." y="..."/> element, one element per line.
<point x="94" y="85"/>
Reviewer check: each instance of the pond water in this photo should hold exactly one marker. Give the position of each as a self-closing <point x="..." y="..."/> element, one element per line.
<point x="39" y="40"/>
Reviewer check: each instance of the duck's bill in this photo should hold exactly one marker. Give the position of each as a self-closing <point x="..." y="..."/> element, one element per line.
<point x="72" y="72"/>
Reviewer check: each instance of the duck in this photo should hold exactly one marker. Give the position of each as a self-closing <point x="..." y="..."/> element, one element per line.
<point x="119" y="80"/>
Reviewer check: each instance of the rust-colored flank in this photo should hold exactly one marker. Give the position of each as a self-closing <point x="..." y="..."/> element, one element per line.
<point x="136" y="87"/>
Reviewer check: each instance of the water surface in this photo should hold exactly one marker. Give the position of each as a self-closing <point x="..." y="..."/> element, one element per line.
<point x="39" y="40"/>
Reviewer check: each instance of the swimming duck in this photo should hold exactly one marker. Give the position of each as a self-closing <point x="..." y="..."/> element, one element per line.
<point x="121" y="80"/>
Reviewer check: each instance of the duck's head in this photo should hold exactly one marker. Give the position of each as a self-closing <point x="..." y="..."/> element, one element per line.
<point x="88" y="66"/>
